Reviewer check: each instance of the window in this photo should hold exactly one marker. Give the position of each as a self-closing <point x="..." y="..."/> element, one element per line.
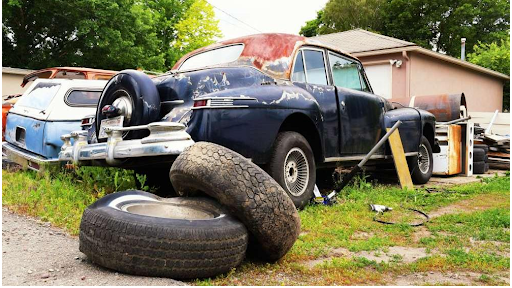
<point x="345" y="73"/>
<point x="315" y="67"/>
<point x="213" y="57"/>
<point x="39" y="97"/>
<point x="69" y="75"/>
<point x="298" y="70"/>
<point x="83" y="98"/>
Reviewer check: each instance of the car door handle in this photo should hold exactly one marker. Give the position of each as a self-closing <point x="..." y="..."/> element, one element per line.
<point x="343" y="105"/>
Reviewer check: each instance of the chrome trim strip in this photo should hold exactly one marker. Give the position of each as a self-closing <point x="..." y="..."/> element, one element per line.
<point x="354" y="158"/>
<point x="217" y="107"/>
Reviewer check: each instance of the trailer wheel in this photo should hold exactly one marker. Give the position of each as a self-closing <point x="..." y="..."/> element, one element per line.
<point x="245" y="189"/>
<point x="138" y="233"/>
<point x="421" y="166"/>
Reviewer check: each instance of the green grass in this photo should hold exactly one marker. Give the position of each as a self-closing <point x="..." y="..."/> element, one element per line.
<point x="348" y="224"/>
<point x="61" y="197"/>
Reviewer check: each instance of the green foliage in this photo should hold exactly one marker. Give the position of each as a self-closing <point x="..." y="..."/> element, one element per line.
<point x="108" y="34"/>
<point x="495" y="56"/>
<point x="437" y="24"/>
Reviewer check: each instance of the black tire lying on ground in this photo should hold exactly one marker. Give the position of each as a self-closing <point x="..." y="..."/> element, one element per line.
<point x="138" y="233"/>
<point x="479" y="155"/>
<point x="479" y="167"/>
<point x="245" y="189"/>
<point x="486" y="167"/>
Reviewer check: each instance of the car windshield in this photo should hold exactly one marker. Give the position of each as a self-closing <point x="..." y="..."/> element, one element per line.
<point x="40" y="97"/>
<point x="213" y="57"/>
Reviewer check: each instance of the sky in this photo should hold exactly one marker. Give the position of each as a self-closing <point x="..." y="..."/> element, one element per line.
<point x="263" y="16"/>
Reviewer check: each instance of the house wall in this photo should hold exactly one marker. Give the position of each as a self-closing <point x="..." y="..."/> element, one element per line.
<point x="430" y="76"/>
<point x="11" y="84"/>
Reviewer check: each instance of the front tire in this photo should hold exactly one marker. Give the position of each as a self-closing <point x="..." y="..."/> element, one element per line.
<point x="421" y="166"/>
<point x="292" y="165"/>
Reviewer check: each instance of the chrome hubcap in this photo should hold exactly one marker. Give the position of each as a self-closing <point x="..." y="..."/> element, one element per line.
<point x="296" y="171"/>
<point x="124" y="104"/>
<point x="423" y="159"/>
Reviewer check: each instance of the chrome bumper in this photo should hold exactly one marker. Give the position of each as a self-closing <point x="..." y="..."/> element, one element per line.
<point x="25" y="158"/>
<point x="165" y="138"/>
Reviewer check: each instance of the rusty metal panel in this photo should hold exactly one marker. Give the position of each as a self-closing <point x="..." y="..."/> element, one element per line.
<point x="448" y="161"/>
<point x="445" y="107"/>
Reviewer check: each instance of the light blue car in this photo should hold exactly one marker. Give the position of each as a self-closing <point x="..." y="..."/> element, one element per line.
<point x="46" y="111"/>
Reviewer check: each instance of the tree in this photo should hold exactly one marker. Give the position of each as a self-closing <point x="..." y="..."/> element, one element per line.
<point x="196" y="29"/>
<point x="495" y="56"/>
<point x="433" y="24"/>
<point x="109" y="34"/>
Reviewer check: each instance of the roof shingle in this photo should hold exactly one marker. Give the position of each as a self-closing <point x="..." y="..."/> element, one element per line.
<point x="359" y="40"/>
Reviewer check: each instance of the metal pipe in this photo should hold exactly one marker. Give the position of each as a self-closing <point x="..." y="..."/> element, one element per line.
<point x="454" y="121"/>
<point x="463" y="49"/>
<point x="488" y="130"/>
<point x="359" y="166"/>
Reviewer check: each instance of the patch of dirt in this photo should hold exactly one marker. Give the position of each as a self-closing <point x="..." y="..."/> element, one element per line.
<point x="396" y="253"/>
<point x="478" y="203"/>
<point x="359" y="235"/>
<point x="503" y="248"/>
<point x="448" y="278"/>
<point x="420" y="232"/>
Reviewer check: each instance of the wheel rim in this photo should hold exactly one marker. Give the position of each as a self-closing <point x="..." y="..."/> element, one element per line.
<point x="296" y="171"/>
<point x="423" y="159"/>
<point x="124" y="104"/>
<point x="168" y="210"/>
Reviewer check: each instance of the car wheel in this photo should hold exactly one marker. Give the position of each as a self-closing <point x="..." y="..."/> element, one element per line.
<point x="421" y="166"/>
<point x="138" y="233"/>
<point x="134" y="96"/>
<point x="292" y="165"/>
<point x="245" y="189"/>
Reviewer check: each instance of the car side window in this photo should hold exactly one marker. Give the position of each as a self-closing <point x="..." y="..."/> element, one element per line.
<point x="345" y="73"/>
<point x="298" y="74"/>
<point x="315" y="67"/>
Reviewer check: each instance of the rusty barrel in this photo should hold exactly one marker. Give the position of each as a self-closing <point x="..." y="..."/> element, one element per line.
<point x="445" y="107"/>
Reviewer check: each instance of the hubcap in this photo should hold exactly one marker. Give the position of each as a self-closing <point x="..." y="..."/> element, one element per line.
<point x="296" y="171"/>
<point x="124" y="105"/>
<point x="423" y="159"/>
<point x="167" y="210"/>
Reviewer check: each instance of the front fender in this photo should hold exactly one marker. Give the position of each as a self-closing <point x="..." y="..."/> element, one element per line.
<point x="411" y="128"/>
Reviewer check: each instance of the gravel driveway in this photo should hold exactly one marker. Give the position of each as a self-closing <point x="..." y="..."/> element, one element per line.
<point x="33" y="253"/>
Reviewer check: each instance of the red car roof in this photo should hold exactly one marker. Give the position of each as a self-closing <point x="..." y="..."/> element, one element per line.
<point x="271" y="53"/>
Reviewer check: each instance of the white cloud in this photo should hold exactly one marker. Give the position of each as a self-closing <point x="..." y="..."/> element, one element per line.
<point x="267" y="16"/>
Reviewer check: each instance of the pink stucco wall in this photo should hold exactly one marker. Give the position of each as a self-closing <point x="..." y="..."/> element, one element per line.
<point x="426" y="75"/>
<point x="431" y="76"/>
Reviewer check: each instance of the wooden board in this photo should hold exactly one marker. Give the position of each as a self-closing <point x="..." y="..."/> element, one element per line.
<point x="397" y="149"/>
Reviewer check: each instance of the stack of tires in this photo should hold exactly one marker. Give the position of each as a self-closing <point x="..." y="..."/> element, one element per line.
<point x="480" y="159"/>
<point x="139" y="233"/>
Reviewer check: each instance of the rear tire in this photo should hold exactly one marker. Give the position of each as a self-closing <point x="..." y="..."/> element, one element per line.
<point x="292" y="165"/>
<point x="421" y="166"/>
<point x="138" y="233"/>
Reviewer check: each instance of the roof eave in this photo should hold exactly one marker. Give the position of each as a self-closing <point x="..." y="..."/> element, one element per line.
<point x="434" y="54"/>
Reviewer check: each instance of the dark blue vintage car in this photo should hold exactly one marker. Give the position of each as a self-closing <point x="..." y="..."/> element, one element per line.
<point x="290" y="104"/>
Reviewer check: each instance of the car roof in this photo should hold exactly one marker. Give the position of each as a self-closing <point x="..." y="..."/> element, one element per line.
<point x="272" y="53"/>
<point x="54" y="70"/>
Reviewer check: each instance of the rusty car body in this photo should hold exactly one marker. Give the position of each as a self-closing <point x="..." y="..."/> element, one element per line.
<point x="246" y="92"/>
